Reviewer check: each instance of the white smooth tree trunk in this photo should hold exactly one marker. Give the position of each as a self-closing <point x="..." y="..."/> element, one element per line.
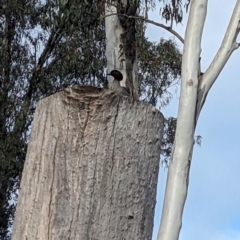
<point x="113" y="31"/>
<point x="114" y="48"/>
<point x="91" y="169"/>
<point x="179" y="166"/>
<point x="194" y="90"/>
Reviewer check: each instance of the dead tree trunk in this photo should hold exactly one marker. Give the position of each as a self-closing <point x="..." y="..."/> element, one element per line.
<point x="91" y="169"/>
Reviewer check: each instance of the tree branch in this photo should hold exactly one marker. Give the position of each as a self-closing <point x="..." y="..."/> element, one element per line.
<point x="227" y="47"/>
<point x="169" y="29"/>
<point x="20" y="119"/>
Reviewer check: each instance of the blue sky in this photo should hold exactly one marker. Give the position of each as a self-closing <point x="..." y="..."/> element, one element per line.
<point x="212" y="209"/>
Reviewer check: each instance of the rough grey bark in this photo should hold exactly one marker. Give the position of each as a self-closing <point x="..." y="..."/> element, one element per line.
<point x="91" y="169"/>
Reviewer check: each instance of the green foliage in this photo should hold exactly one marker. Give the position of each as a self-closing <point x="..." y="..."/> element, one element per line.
<point x="168" y="138"/>
<point x="46" y="46"/>
<point x="172" y="10"/>
<point x="160" y="69"/>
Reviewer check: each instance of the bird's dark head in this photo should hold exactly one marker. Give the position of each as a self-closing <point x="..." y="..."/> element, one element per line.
<point x="116" y="74"/>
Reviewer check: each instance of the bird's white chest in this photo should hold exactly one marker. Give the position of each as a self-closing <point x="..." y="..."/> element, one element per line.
<point x="114" y="85"/>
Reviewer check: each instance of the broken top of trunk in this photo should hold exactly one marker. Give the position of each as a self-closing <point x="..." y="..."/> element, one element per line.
<point x="91" y="169"/>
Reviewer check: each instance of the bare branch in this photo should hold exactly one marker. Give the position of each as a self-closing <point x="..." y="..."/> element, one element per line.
<point x="21" y="117"/>
<point x="227" y="47"/>
<point x="169" y="29"/>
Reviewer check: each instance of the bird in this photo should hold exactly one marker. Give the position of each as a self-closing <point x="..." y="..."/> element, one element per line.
<point x="115" y="84"/>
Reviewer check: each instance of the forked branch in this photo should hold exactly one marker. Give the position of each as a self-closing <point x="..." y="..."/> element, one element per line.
<point x="229" y="44"/>
<point x="169" y="29"/>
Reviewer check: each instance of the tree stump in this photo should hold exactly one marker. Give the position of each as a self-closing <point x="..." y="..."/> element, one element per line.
<point x="91" y="169"/>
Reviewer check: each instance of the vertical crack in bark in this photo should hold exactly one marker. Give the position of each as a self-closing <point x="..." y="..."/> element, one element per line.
<point x="72" y="213"/>
<point x="51" y="188"/>
<point x="114" y="131"/>
<point x="92" y="205"/>
<point x="114" y="137"/>
<point x="39" y="164"/>
<point x="82" y="175"/>
<point x="146" y="136"/>
<point x="146" y="192"/>
<point x="85" y="124"/>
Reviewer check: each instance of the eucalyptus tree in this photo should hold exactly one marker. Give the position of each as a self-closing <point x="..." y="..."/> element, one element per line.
<point x="48" y="46"/>
<point x="195" y="87"/>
